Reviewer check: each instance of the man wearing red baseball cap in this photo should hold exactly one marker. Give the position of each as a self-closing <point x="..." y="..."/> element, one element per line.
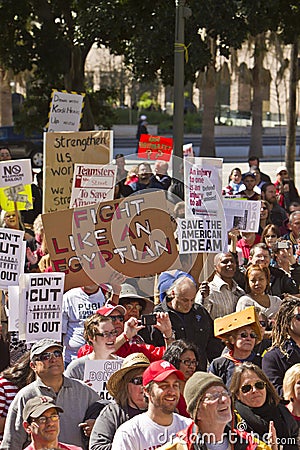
<point x="160" y="423"/>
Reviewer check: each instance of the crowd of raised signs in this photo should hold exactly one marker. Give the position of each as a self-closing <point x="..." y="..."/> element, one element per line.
<point x="233" y="339"/>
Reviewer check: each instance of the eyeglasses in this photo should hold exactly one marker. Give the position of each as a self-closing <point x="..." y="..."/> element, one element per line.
<point x="260" y="385"/>
<point x="107" y="334"/>
<point x="130" y="307"/>
<point x="43" y="419"/>
<point x="189" y="362"/>
<point x="48" y="355"/>
<point x="137" y="381"/>
<point x="114" y="318"/>
<point x="263" y="323"/>
<point x="270" y="236"/>
<point x="212" y="397"/>
<point x="244" y="335"/>
<point x="297" y="317"/>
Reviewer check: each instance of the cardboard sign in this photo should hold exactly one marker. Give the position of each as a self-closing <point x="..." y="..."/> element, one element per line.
<point x="43" y="294"/>
<point x="15" y="184"/>
<point x="65" y="111"/>
<point x="155" y="147"/>
<point x="242" y="214"/>
<point x="12" y="256"/>
<point x="201" y="235"/>
<point x="133" y="236"/>
<point x="92" y="183"/>
<point x="98" y="373"/>
<point x="62" y="151"/>
<point x="203" y="186"/>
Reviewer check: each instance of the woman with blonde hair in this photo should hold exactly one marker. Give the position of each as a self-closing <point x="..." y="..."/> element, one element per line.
<point x="291" y="391"/>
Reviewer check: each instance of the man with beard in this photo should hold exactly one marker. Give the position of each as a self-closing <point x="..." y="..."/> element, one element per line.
<point x="159" y="424"/>
<point x="278" y="214"/>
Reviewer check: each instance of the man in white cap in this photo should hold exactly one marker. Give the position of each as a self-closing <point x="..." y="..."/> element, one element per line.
<point x="73" y="396"/>
<point x="161" y="381"/>
<point x="41" y="422"/>
<point x="285" y="188"/>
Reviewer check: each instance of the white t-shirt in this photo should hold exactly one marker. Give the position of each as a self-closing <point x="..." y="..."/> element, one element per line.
<point x="141" y="433"/>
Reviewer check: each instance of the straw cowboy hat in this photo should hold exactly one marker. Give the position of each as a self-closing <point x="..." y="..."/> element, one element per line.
<point x="131" y="362"/>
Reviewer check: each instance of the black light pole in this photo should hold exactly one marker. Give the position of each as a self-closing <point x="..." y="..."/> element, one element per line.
<point x="182" y="12"/>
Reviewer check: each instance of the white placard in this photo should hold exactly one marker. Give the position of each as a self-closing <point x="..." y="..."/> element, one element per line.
<point x="98" y="373"/>
<point x="14" y="309"/>
<point x="12" y="256"/>
<point x="201" y="235"/>
<point x="44" y="296"/>
<point x="65" y="111"/>
<point x="243" y="215"/>
<point x="203" y="186"/>
<point x="92" y="183"/>
<point x="15" y="173"/>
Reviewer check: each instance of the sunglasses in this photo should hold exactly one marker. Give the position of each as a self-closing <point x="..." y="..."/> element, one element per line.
<point x="271" y="236"/>
<point x="137" y="381"/>
<point x="107" y="334"/>
<point x="264" y="208"/>
<point x="244" y="335"/>
<point x="43" y="419"/>
<point x="297" y="317"/>
<point x="263" y="323"/>
<point x="189" y="362"/>
<point x="119" y="318"/>
<point x="48" y="355"/>
<point x="260" y="385"/>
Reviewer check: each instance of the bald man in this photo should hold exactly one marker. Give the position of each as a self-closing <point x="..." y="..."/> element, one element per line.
<point x="223" y="292"/>
<point x="190" y="321"/>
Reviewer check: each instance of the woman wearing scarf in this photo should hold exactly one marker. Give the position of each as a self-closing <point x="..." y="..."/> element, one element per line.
<point x="257" y="403"/>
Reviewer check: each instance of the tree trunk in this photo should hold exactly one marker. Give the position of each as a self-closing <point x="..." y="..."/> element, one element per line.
<point x="207" y="147"/>
<point x="6" y="117"/>
<point x="290" y="153"/>
<point x="74" y="81"/>
<point x="257" y="102"/>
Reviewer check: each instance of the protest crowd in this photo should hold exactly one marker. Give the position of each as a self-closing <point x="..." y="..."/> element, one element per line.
<point x="113" y="337"/>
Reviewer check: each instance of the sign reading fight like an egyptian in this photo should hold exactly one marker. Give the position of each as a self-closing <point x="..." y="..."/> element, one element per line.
<point x="41" y="310"/>
<point x="132" y="236"/>
<point x="12" y="256"/>
<point x="62" y="151"/>
<point x="15" y="184"/>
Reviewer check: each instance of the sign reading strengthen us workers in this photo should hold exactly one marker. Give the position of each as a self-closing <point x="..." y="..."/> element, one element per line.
<point x="15" y="184"/>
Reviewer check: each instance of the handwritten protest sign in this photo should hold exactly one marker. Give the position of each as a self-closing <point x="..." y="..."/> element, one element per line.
<point x="42" y="293"/>
<point x="132" y="236"/>
<point x="92" y="183"/>
<point x="62" y="151"/>
<point x="15" y="185"/>
<point x="98" y="373"/>
<point x="203" y="186"/>
<point x="155" y="147"/>
<point x="201" y="235"/>
<point x="12" y="256"/>
<point x="65" y="111"/>
<point x="242" y="214"/>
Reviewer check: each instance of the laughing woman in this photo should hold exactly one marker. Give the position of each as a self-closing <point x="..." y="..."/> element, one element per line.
<point x="257" y="403"/>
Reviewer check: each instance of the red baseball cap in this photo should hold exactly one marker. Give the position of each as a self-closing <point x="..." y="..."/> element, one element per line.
<point x="159" y="371"/>
<point x="108" y="309"/>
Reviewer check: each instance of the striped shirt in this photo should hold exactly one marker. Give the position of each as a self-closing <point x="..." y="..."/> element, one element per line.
<point x="7" y="394"/>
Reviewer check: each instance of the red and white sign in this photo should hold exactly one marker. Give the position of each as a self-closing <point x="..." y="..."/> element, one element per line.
<point x="155" y="147"/>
